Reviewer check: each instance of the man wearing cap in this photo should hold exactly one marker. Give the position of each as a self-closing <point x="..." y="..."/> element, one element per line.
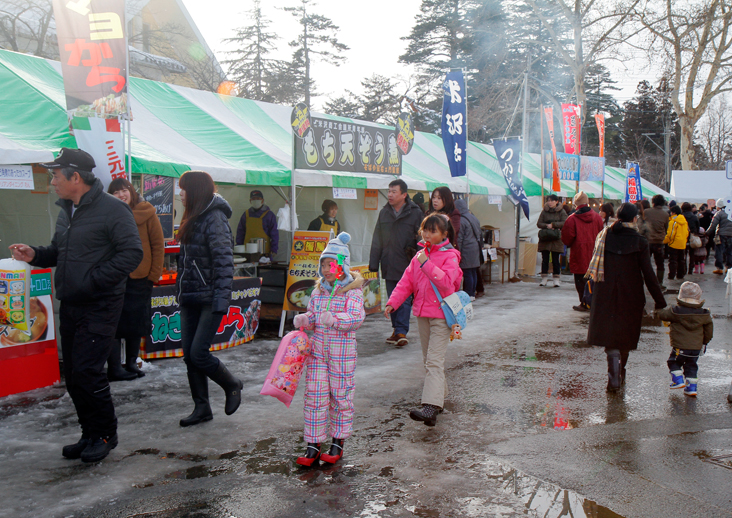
<point x="259" y="221"/>
<point x="94" y="249"/>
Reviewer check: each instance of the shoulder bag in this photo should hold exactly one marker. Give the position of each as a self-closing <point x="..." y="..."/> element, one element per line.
<point x="457" y="307"/>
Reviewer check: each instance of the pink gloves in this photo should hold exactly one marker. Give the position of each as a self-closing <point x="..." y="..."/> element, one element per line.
<point x="301" y="320"/>
<point x="327" y="319"/>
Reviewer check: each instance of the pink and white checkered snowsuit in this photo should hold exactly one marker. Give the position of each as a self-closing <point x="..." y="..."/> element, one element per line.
<point x="329" y="382"/>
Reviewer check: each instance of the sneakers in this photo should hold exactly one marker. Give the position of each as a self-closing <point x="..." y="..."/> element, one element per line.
<point x="401" y="340"/>
<point x="557" y="281"/>
<point x="392" y="339"/>
<point x="73" y="451"/>
<point x="427" y="414"/>
<point x="582" y="307"/>
<point x="677" y="380"/>
<point x="98" y="448"/>
<point x="690" y="389"/>
<point x="544" y="279"/>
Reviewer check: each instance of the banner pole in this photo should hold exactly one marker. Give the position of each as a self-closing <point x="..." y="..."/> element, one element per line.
<point x="541" y="152"/>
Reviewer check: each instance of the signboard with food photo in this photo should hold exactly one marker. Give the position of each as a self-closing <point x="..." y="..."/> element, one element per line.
<point x="303" y="272"/>
<point x="371" y="289"/>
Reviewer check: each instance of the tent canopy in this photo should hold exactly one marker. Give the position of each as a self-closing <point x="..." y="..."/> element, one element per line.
<point x="236" y="140"/>
<point x="699" y="186"/>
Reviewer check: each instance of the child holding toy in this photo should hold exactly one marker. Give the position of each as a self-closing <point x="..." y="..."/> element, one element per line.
<point x="436" y="264"/>
<point x="335" y="312"/>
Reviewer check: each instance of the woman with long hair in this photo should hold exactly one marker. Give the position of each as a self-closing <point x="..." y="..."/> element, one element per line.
<point x="443" y="202"/>
<point x="205" y="275"/>
<point x="134" y="322"/>
<point x="607" y="213"/>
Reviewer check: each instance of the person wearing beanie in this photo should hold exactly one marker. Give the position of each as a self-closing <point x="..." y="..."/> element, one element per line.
<point x="691" y="330"/>
<point x="721" y="232"/>
<point x="620" y="266"/>
<point x="335" y="312"/>
<point x="578" y="234"/>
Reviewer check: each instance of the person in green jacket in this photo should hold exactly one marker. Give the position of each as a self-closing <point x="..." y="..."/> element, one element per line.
<point x="691" y="330"/>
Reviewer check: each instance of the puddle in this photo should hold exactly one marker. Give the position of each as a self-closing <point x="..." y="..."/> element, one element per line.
<point x="201" y="471"/>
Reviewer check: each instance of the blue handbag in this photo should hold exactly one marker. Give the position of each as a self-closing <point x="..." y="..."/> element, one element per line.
<point x="457" y="307"/>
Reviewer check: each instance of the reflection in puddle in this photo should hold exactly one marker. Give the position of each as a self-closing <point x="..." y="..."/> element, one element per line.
<point x="201" y="471"/>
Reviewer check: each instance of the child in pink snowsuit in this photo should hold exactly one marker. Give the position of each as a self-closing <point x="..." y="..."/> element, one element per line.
<point x="331" y="367"/>
<point x="436" y="263"/>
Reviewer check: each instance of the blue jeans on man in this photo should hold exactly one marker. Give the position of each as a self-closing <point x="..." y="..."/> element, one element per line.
<point x="399" y="317"/>
<point x="723" y="253"/>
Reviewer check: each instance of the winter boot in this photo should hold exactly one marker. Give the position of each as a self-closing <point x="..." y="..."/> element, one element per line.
<point x="98" y="448"/>
<point x="115" y="372"/>
<point x="73" y="451"/>
<point x="132" y="349"/>
<point x="623" y="362"/>
<point x="335" y="453"/>
<point x="312" y="455"/>
<point x="557" y="282"/>
<point x="701" y="268"/>
<point x="677" y="380"/>
<point x="729" y="396"/>
<point x="199" y="391"/>
<point x="696" y="268"/>
<point x="613" y="370"/>
<point x="427" y="414"/>
<point x="544" y="279"/>
<point x="690" y="389"/>
<point x="232" y="387"/>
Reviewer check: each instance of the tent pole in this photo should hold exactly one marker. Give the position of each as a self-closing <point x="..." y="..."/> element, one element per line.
<point x="541" y="153"/>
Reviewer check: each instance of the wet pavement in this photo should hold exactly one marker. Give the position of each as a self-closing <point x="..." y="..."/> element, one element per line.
<point x="528" y="430"/>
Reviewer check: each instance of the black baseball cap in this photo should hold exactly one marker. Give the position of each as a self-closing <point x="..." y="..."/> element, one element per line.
<point x="69" y="157"/>
<point x="256" y="194"/>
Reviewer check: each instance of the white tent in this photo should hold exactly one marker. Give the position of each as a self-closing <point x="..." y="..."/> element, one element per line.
<point x="699" y="186"/>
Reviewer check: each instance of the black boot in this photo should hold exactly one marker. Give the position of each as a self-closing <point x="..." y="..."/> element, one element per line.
<point x="199" y="391"/>
<point x="335" y="453"/>
<point x="427" y="414"/>
<point x="613" y="370"/>
<point x="132" y="350"/>
<point x="98" y="448"/>
<point x="115" y="372"/>
<point x="312" y="454"/>
<point x="232" y="387"/>
<point x="73" y="451"/>
<point x="623" y="363"/>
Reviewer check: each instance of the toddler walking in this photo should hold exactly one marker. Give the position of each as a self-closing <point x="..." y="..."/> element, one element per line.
<point x="335" y="311"/>
<point x="437" y="264"/>
<point x="691" y="330"/>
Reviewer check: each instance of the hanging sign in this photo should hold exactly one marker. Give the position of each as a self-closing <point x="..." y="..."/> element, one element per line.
<point x="454" y="122"/>
<point x="571" y="116"/>
<point x="371" y="199"/>
<point x="575" y="168"/>
<point x="508" y="153"/>
<point x="342" y="193"/>
<point x="549" y="115"/>
<point x="633" y="190"/>
<point x="158" y="192"/>
<point x="16" y="177"/>
<point x="600" y="121"/>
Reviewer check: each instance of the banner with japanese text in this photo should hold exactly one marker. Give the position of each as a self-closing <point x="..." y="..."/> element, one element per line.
<point x="575" y="168"/>
<point x="237" y="326"/>
<point x="303" y="271"/>
<point x="102" y="139"/>
<point x="508" y="153"/>
<point x="571" y="117"/>
<point x="455" y="122"/>
<point x="600" y="121"/>
<point x="549" y="115"/>
<point x="633" y="189"/>
<point x="93" y="48"/>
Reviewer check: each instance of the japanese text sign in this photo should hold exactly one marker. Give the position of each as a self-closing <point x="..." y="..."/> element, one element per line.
<point x="455" y="122"/>
<point x="102" y="139"/>
<point x="571" y="115"/>
<point x="633" y="189"/>
<point x="16" y="177"/>
<point x="158" y="191"/>
<point x="303" y="272"/>
<point x="575" y="168"/>
<point x="508" y="153"/>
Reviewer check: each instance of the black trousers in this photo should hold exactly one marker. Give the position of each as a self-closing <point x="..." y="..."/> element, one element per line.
<point x="579" y="284"/>
<point x="657" y="252"/>
<point x="87" y="335"/>
<point x="684" y="359"/>
<point x="545" y="254"/>
<point x="198" y="328"/>
<point x="676" y="263"/>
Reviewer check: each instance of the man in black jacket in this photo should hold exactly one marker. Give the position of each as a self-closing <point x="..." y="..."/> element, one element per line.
<point x="95" y="248"/>
<point x="393" y="245"/>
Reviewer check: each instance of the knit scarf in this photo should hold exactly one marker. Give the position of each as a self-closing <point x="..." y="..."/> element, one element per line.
<point x="596" y="270"/>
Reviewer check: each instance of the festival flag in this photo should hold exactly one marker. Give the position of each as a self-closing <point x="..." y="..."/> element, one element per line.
<point x="600" y="121"/>
<point x="549" y="114"/>
<point x="571" y="116"/>
<point x="633" y="189"/>
<point x="102" y="139"/>
<point x="455" y="122"/>
<point x="508" y="153"/>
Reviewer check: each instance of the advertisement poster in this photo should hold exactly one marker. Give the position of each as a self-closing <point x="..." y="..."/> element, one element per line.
<point x="158" y="192"/>
<point x="571" y="116"/>
<point x="576" y="168"/>
<point x="371" y="289"/>
<point x="633" y="189"/>
<point x="16" y="177"/>
<point x="454" y="122"/>
<point x="303" y="272"/>
<point x="41" y="320"/>
<point x="238" y="326"/>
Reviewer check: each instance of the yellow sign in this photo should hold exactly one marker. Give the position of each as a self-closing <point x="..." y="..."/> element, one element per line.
<point x="303" y="272"/>
<point x="371" y="289"/>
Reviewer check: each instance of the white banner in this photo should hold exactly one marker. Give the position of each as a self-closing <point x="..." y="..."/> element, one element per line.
<point x="102" y="139"/>
<point x="16" y="177"/>
<point x="343" y="193"/>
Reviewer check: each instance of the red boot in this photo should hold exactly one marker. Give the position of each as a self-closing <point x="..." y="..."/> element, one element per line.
<point x="311" y="455"/>
<point x="335" y="453"/>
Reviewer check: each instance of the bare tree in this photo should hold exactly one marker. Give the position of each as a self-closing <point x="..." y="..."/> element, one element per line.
<point x="714" y="134"/>
<point x="24" y="26"/>
<point x="695" y="37"/>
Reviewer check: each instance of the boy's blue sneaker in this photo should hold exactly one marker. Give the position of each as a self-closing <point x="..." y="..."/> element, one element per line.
<point x="690" y="389"/>
<point x="677" y="380"/>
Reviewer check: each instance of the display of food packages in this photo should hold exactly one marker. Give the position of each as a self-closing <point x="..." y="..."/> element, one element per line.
<point x="39" y="320"/>
<point x="15" y="279"/>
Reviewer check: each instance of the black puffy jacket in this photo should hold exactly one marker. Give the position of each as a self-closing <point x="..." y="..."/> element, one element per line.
<point x="95" y="250"/>
<point x="206" y="261"/>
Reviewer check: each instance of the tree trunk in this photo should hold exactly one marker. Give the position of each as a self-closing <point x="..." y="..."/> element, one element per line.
<point x="688" y="161"/>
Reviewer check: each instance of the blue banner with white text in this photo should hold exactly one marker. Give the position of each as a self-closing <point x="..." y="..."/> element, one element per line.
<point x="633" y="189"/>
<point x="508" y="153"/>
<point x="455" y="122"/>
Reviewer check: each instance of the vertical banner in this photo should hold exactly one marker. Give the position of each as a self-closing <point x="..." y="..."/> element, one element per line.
<point x="600" y="121"/>
<point x="508" y="153"/>
<point x="633" y="190"/>
<point x="571" y="116"/>
<point x="549" y="115"/>
<point x="102" y="139"/>
<point x="454" y="122"/>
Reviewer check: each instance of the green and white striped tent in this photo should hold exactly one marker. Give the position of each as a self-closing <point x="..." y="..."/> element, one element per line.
<point x="236" y="140"/>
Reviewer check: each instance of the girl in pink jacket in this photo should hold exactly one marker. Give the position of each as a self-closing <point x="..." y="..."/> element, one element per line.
<point x="436" y="263"/>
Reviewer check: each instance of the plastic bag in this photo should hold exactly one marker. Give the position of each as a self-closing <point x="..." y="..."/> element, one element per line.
<point x="287" y="366"/>
<point x="15" y="277"/>
<point x="283" y="219"/>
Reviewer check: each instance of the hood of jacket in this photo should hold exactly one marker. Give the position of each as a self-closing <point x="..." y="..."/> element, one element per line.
<point x="680" y="220"/>
<point x="219" y="203"/>
<point x="554" y="209"/>
<point x="445" y="246"/>
<point x="357" y="283"/>
<point x="142" y="212"/>
<point x="461" y="206"/>
<point x="691" y="315"/>
<point x="584" y="213"/>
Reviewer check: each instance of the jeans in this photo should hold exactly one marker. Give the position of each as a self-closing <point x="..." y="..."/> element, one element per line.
<point x="87" y="336"/>
<point x="723" y="253"/>
<point x="684" y="359"/>
<point x="545" y="254"/>
<point x="470" y="280"/>
<point x="198" y="328"/>
<point x="676" y="263"/>
<point x="400" y="317"/>
<point x="657" y="252"/>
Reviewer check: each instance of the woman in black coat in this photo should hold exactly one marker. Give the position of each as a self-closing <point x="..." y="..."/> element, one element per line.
<point x="205" y="275"/>
<point x="618" y="298"/>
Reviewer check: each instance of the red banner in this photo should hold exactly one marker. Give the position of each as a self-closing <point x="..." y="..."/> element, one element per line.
<point x="571" y="115"/>
<point x="549" y="114"/>
<point x="93" y="47"/>
<point x="600" y="121"/>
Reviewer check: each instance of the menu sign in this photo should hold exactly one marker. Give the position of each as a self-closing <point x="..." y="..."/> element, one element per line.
<point x="159" y="192"/>
<point x="303" y="272"/>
